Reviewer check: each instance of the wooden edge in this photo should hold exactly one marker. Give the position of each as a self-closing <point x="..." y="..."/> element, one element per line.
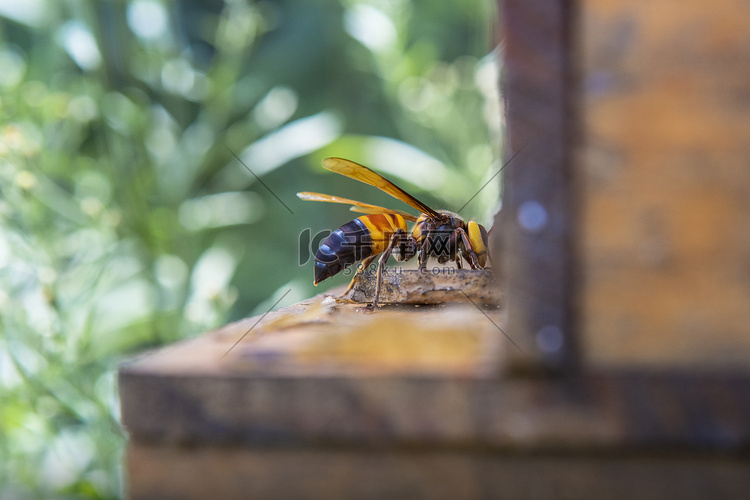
<point x="597" y="412"/>
<point x="325" y="473"/>
<point x="195" y="391"/>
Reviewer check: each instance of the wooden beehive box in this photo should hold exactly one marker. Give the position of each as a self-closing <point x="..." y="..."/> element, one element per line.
<point x="618" y="365"/>
<point x="634" y="119"/>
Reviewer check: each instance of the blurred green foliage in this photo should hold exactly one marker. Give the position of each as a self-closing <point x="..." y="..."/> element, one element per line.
<point x="125" y="220"/>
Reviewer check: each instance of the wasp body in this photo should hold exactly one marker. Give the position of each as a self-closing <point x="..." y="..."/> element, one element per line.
<point x="439" y="234"/>
<point x="360" y="239"/>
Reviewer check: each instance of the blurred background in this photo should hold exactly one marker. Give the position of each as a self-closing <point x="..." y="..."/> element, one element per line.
<point x="126" y="222"/>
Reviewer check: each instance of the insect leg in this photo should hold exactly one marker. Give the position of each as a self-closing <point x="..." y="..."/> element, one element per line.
<point x="400" y="233"/>
<point x="452" y="243"/>
<point x="362" y="267"/>
<point x="424" y="252"/>
<point x="468" y="249"/>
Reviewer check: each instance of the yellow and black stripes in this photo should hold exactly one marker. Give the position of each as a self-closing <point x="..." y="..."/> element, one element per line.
<point x="355" y="241"/>
<point x="381" y="227"/>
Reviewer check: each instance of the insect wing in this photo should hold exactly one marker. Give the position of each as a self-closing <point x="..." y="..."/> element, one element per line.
<point x="357" y="206"/>
<point x="364" y="174"/>
<point x="380" y="210"/>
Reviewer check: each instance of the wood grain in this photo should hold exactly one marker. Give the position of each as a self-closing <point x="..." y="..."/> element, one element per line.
<point x="664" y="185"/>
<point x="325" y="473"/>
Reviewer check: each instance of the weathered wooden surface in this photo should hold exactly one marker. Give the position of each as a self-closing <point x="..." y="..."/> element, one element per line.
<point x="329" y="400"/>
<point x="664" y="184"/>
<point x="326" y="357"/>
<point x="440" y="285"/>
<point x="229" y="473"/>
<point x="533" y="228"/>
<point x="419" y="376"/>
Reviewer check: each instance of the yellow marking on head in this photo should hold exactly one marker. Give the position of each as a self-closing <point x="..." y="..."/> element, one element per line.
<point x="477" y="242"/>
<point x="416" y="231"/>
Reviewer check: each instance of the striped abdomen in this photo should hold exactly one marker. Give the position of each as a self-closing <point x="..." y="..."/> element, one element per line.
<point x="355" y="241"/>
